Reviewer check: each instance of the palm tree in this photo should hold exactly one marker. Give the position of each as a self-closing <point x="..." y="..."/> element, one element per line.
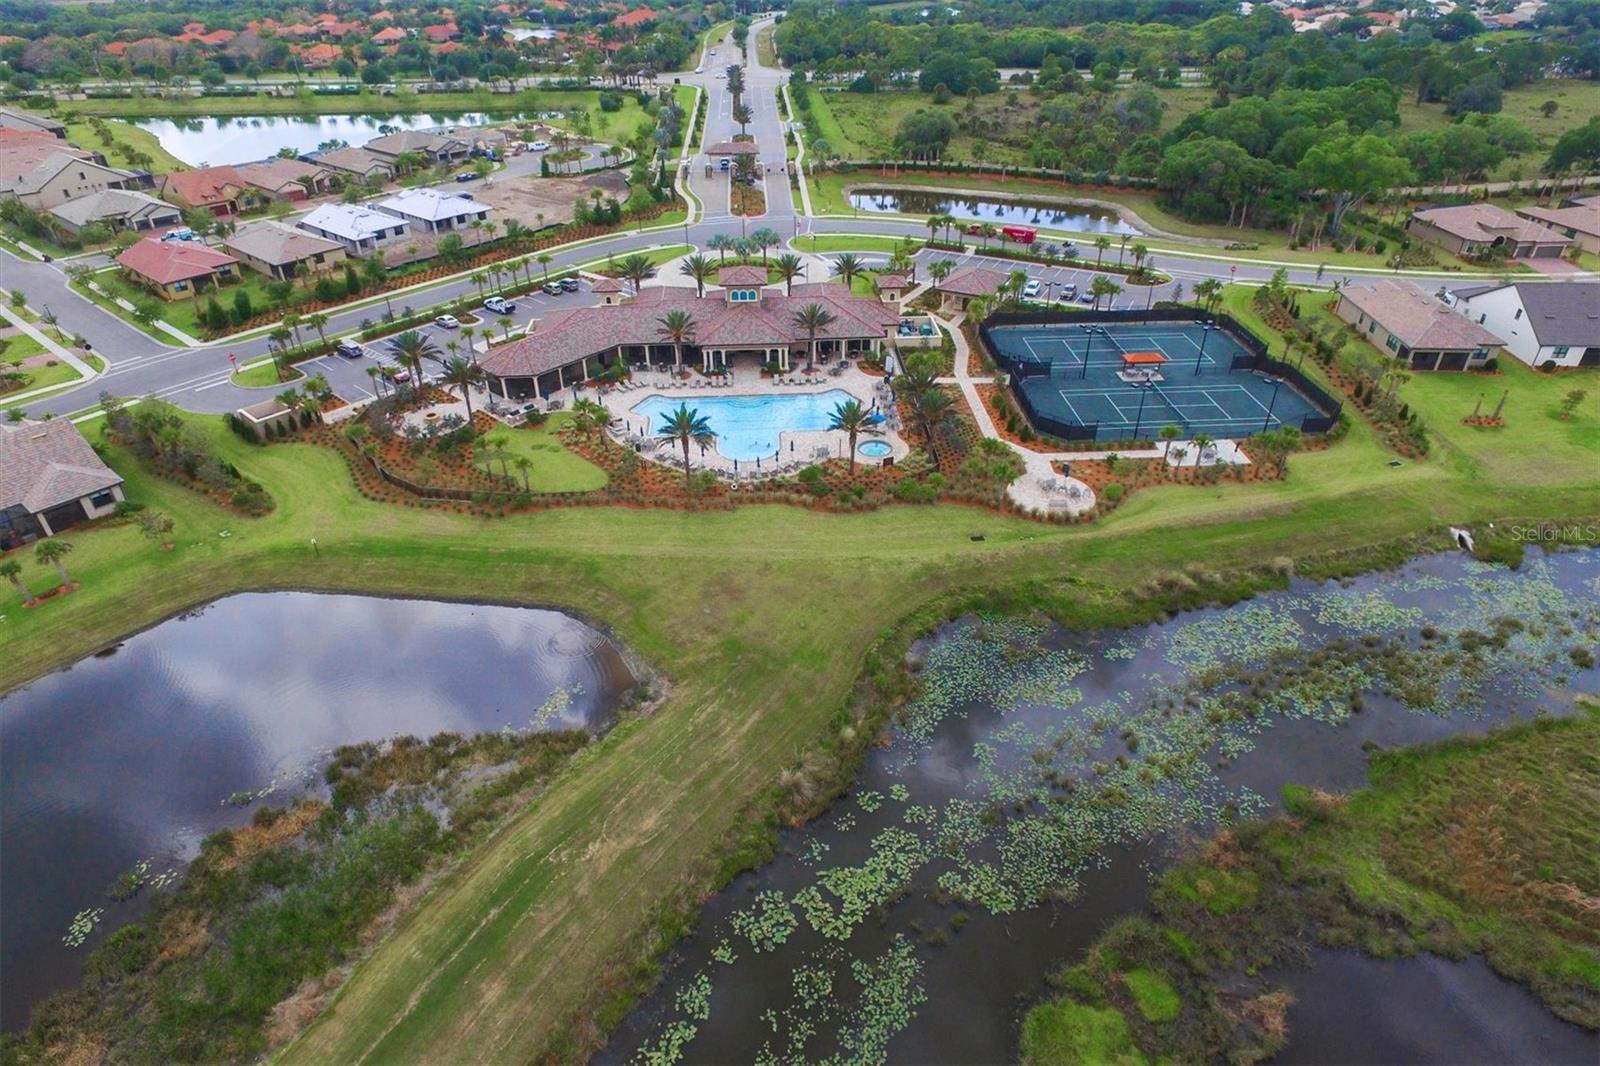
<point x="524" y="464"/>
<point x="1102" y="286"/>
<point x="684" y="427"/>
<point x="462" y="374"/>
<point x="506" y="322"/>
<point x="292" y="323"/>
<point x="987" y="232"/>
<point x="11" y="570"/>
<point x="742" y="115"/>
<point x="1210" y="291"/>
<point x="280" y="337"/>
<point x="478" y="279"/>
<point x="933" y="222"/>
<point x="765" y="238"/>
<point x="589" y="415"/>
<point x="318" y="321"/>
<point x="544" y="261"/>
<point x="813" y="318"/>
<point x="1168" y="434"/>
<point x="1201" y="443"/>
<point x="947" y="221"/>
<point x="410" y="349"/>
<point x="1141" y="252"/>
<point x="789" y="267"/>
<point x="720" y="243"/>
<point x="636" y="268"/>
<point x="939" y="270"/>
<point x="1101" y="243"/>
<point x="677" y="326"/>
<point x="1121" y="248"/>
<point x="700" y="269"/>
<point x="932" y="408"/>
<point x="849" y="267"/>
<point x="51" y="553"/>
<point x="851" y="418"/>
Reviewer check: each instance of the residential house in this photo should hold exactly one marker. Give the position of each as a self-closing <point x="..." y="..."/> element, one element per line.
<point x="12" y="118"/>
<point x="966" y="285"/>
<point x="742" y="320"/>
<point x="293" y="180"/>
<point x="50" y="480"/>
<point x="432" y="211"/>
<point x="634" y="19"/>
<point x="1581" y="222"/>
<point x="321" y="56"/>
<point x="281" y="251"/>
<point x="175" y="269"/>
<point x="1402" y="321"/>
<point x="219" y="190"/>
<point x="389" y="35"/>
<point x="117" y="209"/>
<point x="1475" y="230"/>
<point x="360" y="229"/>
<point x="1542" y="323"/>
<point x="434" y="147"/>
<point x="442" y="32"/>
<point x="358" y="161"/>
<point x="44" y="173"/>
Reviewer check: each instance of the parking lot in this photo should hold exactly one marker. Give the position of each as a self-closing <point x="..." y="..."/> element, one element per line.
<point x="1054" y="279"/>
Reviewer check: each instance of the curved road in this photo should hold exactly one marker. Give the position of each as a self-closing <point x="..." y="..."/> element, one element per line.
<point x="197" y="378"/>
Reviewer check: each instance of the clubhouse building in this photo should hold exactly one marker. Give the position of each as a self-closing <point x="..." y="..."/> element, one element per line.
<point x="741" y="320"/>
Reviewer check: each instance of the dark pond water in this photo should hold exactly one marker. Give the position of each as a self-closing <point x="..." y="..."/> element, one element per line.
<point x="1078" y="218"/>
<point x="134" y="755"/>
<point x="1420" y="1010"/>
<point x="1044" y="776"/>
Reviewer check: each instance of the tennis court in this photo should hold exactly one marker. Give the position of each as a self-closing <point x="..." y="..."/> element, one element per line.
<point x="1126" y="380"/>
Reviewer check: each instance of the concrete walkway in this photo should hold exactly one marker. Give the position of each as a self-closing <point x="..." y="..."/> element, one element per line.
<point x="85" y="371"/>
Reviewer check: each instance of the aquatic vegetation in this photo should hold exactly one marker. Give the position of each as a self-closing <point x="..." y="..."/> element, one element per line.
<point x="83" y="924"/>
<point x="767" y="922"/>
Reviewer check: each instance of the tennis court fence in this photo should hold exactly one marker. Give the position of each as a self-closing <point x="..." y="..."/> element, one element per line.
<point x="1255" y="359"/>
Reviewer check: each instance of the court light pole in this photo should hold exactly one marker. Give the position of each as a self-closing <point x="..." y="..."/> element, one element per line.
<point x="1149" y="290"/>
<point x="1205" y="334"/>
<point x="1086" y="350"/>
<point x="1138" y="419"/>
<point x="1266" y="423"/>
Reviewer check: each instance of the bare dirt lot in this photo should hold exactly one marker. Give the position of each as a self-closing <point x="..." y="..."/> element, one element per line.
<point x="538" y="202"/>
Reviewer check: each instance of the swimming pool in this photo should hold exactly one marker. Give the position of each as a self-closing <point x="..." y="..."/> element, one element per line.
<point x="876" y="449"/>
<point x="747" y="427"/>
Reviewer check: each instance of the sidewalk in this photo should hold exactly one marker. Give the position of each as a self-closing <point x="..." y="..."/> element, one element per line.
<point x="85" y="371"/>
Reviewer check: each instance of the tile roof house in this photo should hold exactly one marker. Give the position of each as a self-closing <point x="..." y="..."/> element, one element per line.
<point x="358" y="161"/>
<point x="568" y="346"/>
<point x="175" y="269"/>
<point x="50" y="480"/>
<point x="967" y="284"/>
<point x="278" y="250"/>
<point x="118" y="209"/>
<point x="219" y="190"/>
<point x="360" y="229"/>
<point x="44" y="173"/>
<point x="442" y="32"/>
<point x="437" y="147"/>
<point x="286" y="179"/>
<point x="1581" y="222"/>
<point x="12" y="118"/>
<point x="1542" y="323"/>
<point x="1398" y="318"/>
<point x="432" y="211"/>
<point x="389" y="35"/>
<point x="642" y="16"/>
<point x="321" y="56"/>
<point x="1479" y="229"/>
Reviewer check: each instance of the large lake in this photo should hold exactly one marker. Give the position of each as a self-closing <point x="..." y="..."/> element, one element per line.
<point x="247" y="138"/>
<point x="134" y="754"/>
<point x="1028" y="796"/>
<point x="1076" y="218"/>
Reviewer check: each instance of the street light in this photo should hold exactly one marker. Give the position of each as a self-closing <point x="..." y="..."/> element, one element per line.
<point x="1266" y="423"/>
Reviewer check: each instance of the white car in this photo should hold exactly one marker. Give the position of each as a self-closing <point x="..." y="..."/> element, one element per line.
<point x="499" y="305"/>
<point x="539" y="146"/>
<point x="699" y="70"/>
<point x="447" y="322"/>
<point x="1031" y="289"/>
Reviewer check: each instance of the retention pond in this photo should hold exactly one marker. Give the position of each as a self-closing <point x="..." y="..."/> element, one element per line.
<point x="1027" y="797"/>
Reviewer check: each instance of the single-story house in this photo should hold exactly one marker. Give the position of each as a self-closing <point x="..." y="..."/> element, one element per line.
<point x="321" y="56"/>
<point x="1401" y="320"/>
<point x="175" y="269"/>
<point x="12" y="118"/>
<point x="46" y="173"/>
<point x="1581" y="222"/>
<point x="278" y="250"/>
<point x="570" y="346"/>
<point x="50" y="480"/>
<point x="437" y="148"/>
<point x="286" y="179"/>
<point x="219" y="190"/>
<point x="432" y="211"/>
<point x="358" y="161"/>
<point x="118" y="209"/>
<point x="967" y="284"/>
<point x="360" y="229"/>
<point x="1479" y="229"/>
<point x="1552" y="322"/>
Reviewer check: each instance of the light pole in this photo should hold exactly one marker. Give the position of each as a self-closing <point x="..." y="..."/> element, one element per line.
<point x="1266" y="423"/>
<point x="1150" y="290"/>
<point x="1138" y="418"/>
<point x="1205" y="333"/>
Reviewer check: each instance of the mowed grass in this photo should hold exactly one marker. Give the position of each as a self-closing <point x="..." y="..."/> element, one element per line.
<point x="819" y="245"/>
<point x="1576" y="103"/>
<point x="553" y="468"/>
<point x="759" y="622"/>
<point x="124" y="137"/>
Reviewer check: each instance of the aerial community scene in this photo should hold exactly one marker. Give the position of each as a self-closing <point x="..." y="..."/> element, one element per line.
<point x="678" y="531"/>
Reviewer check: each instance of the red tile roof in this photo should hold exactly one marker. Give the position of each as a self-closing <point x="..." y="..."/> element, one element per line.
<point x="742" y="275"/>
<point x="206" y="186"/>
<point x="164" y="262"/>
<point x="389" y="34"/>
<point x="639" y="17"/>
<point x="322" y="54"/>
<point x="443" y="31"/>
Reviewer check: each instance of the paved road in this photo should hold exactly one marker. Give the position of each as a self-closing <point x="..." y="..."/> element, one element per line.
<point x="197" y="378"/>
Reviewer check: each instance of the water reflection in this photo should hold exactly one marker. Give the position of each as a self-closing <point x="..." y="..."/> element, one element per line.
<point x="247" y="138"/>
<point x="135" y="755"/>
<point x="1075" y="219"/>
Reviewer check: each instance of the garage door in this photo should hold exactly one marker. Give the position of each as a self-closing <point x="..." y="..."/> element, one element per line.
<point x="1549" y="251"/>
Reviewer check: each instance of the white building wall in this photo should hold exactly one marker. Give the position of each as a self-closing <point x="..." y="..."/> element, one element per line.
<point x="1500" y="311"/>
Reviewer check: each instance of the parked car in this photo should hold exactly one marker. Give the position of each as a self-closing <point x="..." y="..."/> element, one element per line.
<point x="539" y="146"/>
<point x="723" y="163"/>
<point x="1086" y="298"/>
<point x="350" y="349"/>
<point x="499" y="305"/>
<point x="466" y="175"/>
<point x="1069" y="292"/>
<point x="447" y="322"/>
<point x="1032" y="288"/>
<point x="569" y="285"/>
<point x="182" y="234"/>
<point x="398" y="376"/>
<point x="552" y="288"/>
<point x="699" y="70"/>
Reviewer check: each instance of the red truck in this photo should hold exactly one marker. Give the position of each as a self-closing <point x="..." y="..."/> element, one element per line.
<point x="1020" y="234"/>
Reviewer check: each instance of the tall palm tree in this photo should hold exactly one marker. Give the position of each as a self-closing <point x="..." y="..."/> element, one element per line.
<point x="462" y="374"/>
<point x="700" y="269"/>
<point x="849" y="267"/>
<point x="789" y="267"/>
<point x="637" y="269"/>
<point x="477" y="278"/>
<point x="589" y="415"/>
<point x="11" y="570"/>
<point x="524" y="464"/>
<point x="506" y="322"/>
<point x="939" y="270"/>
<point x="319" y="322"/>
<point x="987" y="232"/>
<point x="932" y="408"/>
<point x="1210" y="291"/>
<point x="742" y="115"/>
<point x="544" y="263"/>
<point x="410" y="349"/>
<point x="1168" y="434"/>
<point x="684" y="427"/>
<point x="765" y="238"/>
<point x="813" y="318"/>
<point x="720" y="243"/>
<point x="851" y="418"/>
<point x="1101" y="243"/>
<point x="677" y="326"/>
<point x="1102" y="286"/>
<point x="51" y="553"/>
<point x="292" y="324"/>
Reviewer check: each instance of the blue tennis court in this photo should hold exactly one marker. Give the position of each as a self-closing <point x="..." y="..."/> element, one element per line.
<point x="1111" y="381"/>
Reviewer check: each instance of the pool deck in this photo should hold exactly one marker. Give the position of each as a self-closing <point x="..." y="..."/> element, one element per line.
<point x="796" y="448"/>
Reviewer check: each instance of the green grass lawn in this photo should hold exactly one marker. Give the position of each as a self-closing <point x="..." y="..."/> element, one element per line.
<point x="125" y="137"/>
<point x="261" y="376"/>
<point x="184" y="314"/>
<point x="1576" y="103"/>
<point x="844" y="243"/>
<point x="554" y="469"/>
<point x="742" y="614"/>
